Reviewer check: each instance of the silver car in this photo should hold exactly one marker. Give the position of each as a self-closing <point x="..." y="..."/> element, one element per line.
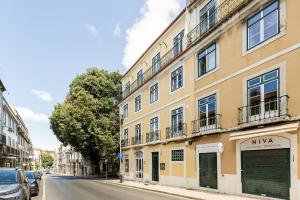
<point x="14" y="185"/>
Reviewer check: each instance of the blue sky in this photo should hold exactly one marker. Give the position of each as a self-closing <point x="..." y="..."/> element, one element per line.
<point x="45" y="44"/>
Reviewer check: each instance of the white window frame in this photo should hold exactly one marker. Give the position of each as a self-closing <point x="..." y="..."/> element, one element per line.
<point x="150" y="93"/>
<point x="137" y="107"/>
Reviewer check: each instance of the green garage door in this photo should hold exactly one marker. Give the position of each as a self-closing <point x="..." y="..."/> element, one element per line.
<point x="266" y="172"/>
<point x="208" y="170"/>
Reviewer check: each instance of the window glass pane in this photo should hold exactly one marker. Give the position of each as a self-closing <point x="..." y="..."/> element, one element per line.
<point x="212" y="98"/>
<point x="211" y="48"/>
<point x="211" y="61"/>
<point x="202" y="66"/>
<point x="270" y="8"/>
<point x="271" y="75"/>
<point x="271" y="89"/>
<point x="271" y="25"/>
<point x="254" y="19"/>
<point x="254" y="82"/>
<point x="254" y="34"/>
<point x="254" y="96"/>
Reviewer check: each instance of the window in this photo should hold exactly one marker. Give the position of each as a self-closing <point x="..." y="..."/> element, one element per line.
<point x="177" y="79"/>
<point x="126" y="141"/>
<point x="126" y="165"/>
<point x="155" y="63"/>
<point x="154" y="133"/>
<point x="127" y="88"/>
<point x="263" y="25"/>
<point x="138" y="134"/>
<point x="139" y="77"/>
<point x="208" y="16"/>
<point x="263" y="93"/>
<point x="138" y="103"/>
<point x="177" y="43"/>
<point x="177" y="122"/>
<point x="139" y="164"/>
<point x="177" y="155"/>
<point x="207" y="111"/>
<point x="125" y="110"/>
<point x="154" y="93"/>
<point x="207" y="60"/>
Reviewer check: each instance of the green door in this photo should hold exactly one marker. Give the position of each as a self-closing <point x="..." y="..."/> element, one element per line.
<point x="208" y="170"/>
<point x="266" y="172"/>
<point x="155" y="166"/>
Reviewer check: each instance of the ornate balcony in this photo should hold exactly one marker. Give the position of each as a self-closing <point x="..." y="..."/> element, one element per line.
<point x="137" y="140"/>
<point x="207" y="125"/>
<point x="176" y="131"/>
<point x="227" y="9"/>
<point x="153" y="136"/>
<point x="125" y="143"/>
<point x="266" y="111"/>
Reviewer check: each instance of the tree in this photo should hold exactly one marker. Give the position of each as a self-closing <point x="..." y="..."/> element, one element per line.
<point x="37" y="165"/>
<point x="88" y="119"/>
<point x="47" y="160"/>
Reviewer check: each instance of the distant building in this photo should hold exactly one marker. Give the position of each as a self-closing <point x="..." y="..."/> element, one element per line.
<point x="15" y="144"/>
<point x="70" y="162"/>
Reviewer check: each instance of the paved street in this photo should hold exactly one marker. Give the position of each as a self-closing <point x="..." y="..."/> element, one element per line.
<point x="71" y="188"/>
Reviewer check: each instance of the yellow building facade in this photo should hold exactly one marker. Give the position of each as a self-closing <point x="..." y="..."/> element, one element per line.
<point x="213" y="103"/>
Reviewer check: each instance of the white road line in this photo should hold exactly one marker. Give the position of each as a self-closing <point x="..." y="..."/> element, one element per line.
<point x="44" y="189"/>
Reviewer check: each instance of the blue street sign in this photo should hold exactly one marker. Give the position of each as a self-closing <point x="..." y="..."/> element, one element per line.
<point x="120" y="156"/>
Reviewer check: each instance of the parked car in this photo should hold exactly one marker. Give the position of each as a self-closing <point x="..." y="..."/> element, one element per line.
<point x="38" y="174"/>
<point x="34" y="185"/>
<point x="14" y="184"/>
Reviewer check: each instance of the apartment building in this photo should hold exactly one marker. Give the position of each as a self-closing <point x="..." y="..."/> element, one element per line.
<point x="15" y="144"/>
<point x="212" y="104"/>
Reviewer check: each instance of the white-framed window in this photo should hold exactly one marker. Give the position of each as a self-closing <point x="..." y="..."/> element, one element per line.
<point x="126" y="137"/>
<point x="208" y="16"/>
<point x="138" y="134"/>
<point x="263" y="94"/>
<point x="156" y="63"/>
<point x="125" y="110"/>
<point x="207" y="60"/>
<point x="139" y="76"/>
<point x="263" y="25"/>
<point x="207" y="111"/>
<point x="178" y="43"/>
<point x="177" y="155"/>
<point x="137" y="103"/>
<point x="127" y="89"/>
<point x="177" y="79"/>
<point x="154" y="93"/>
<point x="139" y="164"/>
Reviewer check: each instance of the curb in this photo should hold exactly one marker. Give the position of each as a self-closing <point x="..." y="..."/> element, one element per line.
<point x="156" y="191"/>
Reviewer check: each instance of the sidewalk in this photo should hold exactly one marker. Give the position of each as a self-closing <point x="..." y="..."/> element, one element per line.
<point x="194" y="194"/>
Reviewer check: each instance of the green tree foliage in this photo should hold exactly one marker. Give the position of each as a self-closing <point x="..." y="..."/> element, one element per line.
<point x="88" y="120"/>
<point x="47" y="160"/>
<point x="37" y="165"/>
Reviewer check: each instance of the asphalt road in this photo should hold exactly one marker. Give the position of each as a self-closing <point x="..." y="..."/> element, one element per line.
<point x="72" y="188"/>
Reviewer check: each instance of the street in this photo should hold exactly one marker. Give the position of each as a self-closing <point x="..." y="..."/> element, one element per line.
<point x="72" y="188"/>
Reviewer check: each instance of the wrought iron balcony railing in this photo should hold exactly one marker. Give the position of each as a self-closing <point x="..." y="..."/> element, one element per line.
<point x="207" y="124"/>
<point x="137" y="140"/>
<point x="265" y="110"/>
<point x="215" y="19"/>
<point x="153" y="136"/>
<point x="125" y="143"/>
<point x="167" y="58"/>
<point x="176" y="131"/>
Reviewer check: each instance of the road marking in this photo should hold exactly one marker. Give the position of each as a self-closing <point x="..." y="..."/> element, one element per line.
<point x="44" y="189"/>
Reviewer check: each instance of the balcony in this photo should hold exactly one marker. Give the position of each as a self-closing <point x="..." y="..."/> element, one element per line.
<point x="167" y="58"/>
<point x="265" y="112"/>
<point x="207" y="125"/>
<point x="137" y="140"/>
<point x="153" y="136"/>
<point x="227" y="9"/>
<point x="125" y="143"/>
<point x="176" y="131"/>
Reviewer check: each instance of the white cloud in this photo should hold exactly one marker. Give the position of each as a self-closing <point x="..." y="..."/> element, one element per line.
<point x="43" y="95"/>
<point x="117" y="31"/>
<point x="155" y="16"/>
<point x="91" y="28"/>
<point x="28" y="114"/>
